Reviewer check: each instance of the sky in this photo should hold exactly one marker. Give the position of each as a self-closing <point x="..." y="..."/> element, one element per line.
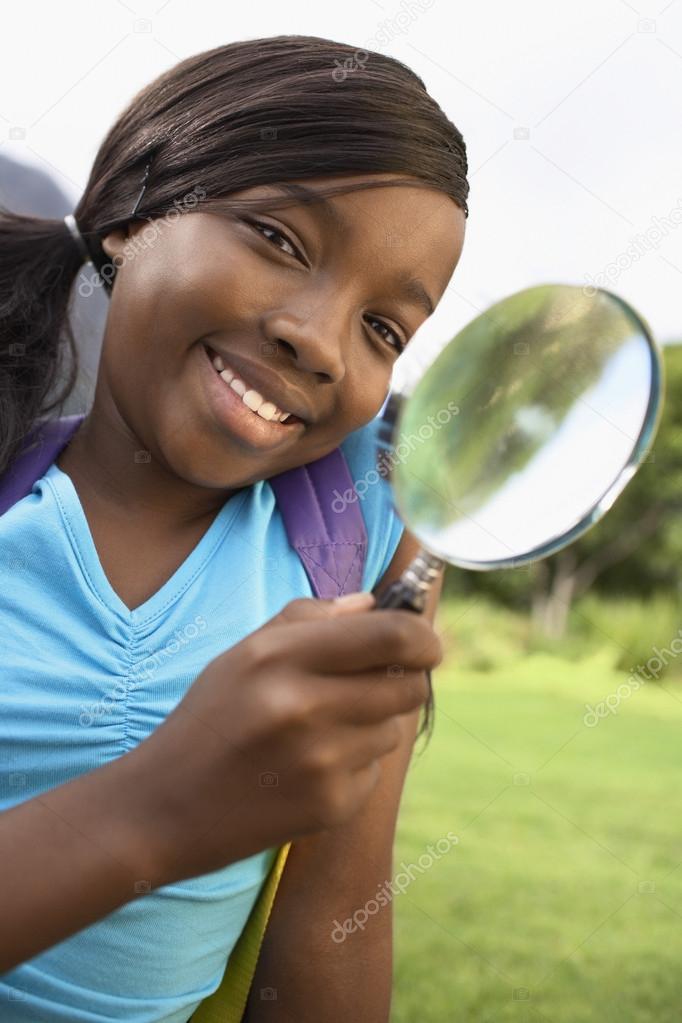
<point x="572" y="116"/>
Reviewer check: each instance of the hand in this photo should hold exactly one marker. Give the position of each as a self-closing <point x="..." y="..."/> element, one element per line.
<point x="282" y="734"/>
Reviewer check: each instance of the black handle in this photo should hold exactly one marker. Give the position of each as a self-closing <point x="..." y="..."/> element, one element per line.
<point x="401" y="595"/>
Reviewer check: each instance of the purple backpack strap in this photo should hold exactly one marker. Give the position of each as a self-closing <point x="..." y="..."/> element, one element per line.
<point x="42" y="448"/>
<point x="331" y="544"/>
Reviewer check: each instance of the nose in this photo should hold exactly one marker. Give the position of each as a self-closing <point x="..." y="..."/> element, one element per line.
<point x="316" y="338"/>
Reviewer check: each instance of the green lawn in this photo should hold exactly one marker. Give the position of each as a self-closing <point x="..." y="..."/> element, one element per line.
<point x="562" y="900"/>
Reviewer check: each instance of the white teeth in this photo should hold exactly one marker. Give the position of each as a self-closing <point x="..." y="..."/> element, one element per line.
<point x="251" y="398"/>
<point x="267" y="411"/>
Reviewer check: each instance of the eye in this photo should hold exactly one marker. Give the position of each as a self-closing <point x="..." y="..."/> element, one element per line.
<point x="261" y="226"/>
<point x="258" y="224"/>
<point x="400" y="345"/>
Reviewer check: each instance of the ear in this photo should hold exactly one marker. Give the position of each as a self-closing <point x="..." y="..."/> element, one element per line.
<point x="114" y="242"/>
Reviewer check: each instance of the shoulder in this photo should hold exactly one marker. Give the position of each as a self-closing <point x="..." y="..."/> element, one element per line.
<point x="374" y="494"/>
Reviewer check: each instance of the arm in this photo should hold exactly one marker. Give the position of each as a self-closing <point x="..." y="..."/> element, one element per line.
<point x="73" y="854"/>
<point x="328" y="877"/>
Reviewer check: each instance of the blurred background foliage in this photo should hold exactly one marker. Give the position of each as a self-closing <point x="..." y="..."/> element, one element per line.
<point x="562" y="899"/>
<point x="621" y="583"/>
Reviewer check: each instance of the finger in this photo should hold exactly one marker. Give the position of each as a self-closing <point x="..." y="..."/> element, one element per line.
<point x="370" y="699"/>
<point x="367" y="744"/>
<point x="360" y="641"/>
<point x="366" y="780"/>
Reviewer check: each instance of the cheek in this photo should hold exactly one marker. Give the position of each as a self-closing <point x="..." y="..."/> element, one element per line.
<point x="371" y="383"/>
<point x="364" y="393"/>
<point x="215" y="296"/>
<point x="178" y="293"/>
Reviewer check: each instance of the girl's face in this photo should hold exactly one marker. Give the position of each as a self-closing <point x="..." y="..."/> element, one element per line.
<point x="304" y="303"/>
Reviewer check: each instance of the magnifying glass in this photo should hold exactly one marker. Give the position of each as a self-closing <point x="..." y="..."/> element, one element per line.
<point x="521" y="433"/>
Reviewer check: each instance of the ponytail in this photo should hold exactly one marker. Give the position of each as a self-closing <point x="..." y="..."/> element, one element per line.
<point x="39" y="262"/>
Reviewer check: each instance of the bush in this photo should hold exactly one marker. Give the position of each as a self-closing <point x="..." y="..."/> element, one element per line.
<point x="639" y="628"/>
<point x="484" y="635"/>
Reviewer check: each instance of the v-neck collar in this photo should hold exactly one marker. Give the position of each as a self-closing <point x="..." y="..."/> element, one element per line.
<point x="84" y="546"/>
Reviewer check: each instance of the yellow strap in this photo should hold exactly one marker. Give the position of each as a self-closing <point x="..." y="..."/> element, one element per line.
<point x="228" y="1002"/>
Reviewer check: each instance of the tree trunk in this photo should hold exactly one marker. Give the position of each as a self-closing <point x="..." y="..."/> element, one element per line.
<point x="540" y="595"/>
<point x="619" y="548"/>
<point x="560" y="579"/>
<point x="560" y="595"/>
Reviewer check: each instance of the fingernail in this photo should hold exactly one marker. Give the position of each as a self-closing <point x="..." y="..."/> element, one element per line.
<point x="362" y="599"/>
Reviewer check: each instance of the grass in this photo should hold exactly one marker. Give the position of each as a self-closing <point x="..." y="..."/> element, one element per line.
<point x="562" y="899"/>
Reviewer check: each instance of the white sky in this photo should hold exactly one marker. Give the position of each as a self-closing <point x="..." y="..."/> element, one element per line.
<point x="596" y="83"/>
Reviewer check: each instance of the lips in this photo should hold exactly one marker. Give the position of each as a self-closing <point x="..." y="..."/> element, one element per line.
<point x="236" y="417"/>
<point x="269" y="386"/>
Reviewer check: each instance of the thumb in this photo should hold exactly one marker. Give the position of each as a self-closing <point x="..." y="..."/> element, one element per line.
<point x="310" y="608"/>
<point x="360" y="601"/>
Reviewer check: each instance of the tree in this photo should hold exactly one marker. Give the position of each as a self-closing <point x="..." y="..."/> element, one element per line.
<point x="636" y="548"/>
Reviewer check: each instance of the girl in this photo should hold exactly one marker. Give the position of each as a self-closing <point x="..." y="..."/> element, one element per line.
<point x="267" y="230"/>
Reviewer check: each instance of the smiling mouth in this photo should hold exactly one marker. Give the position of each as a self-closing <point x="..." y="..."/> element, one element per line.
<point x="250" y="398"/>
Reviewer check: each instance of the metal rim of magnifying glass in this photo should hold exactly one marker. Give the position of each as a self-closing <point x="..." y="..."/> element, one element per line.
<point x="650" y="425"/>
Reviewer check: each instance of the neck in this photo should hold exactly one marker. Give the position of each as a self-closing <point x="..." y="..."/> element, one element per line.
<point x="112" y="472"/>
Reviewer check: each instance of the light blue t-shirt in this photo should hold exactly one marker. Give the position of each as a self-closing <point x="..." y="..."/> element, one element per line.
<point x="83" y="680"/>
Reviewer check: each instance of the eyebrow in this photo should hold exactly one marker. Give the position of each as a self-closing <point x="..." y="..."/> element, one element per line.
<point x="414" y="289"/>
<point x="411" y="287"/>
<point x="330" y="213"/>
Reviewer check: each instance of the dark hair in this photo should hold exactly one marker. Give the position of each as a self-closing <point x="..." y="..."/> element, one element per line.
<point x="248" y="113"/>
